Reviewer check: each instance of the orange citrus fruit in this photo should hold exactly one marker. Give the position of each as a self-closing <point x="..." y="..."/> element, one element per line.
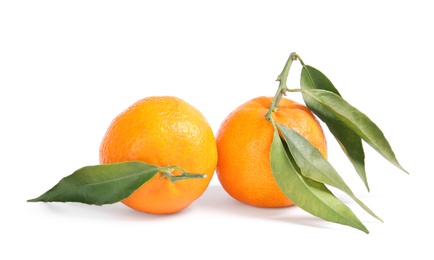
<point x="244" y="143"/>
<point x="163" y="131"/>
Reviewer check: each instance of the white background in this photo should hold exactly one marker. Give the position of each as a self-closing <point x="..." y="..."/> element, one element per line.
<point x="68" y="67"/>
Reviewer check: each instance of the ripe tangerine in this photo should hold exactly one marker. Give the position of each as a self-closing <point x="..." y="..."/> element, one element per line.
<point x="163" y="131"/>
<point x="244" y="142"/>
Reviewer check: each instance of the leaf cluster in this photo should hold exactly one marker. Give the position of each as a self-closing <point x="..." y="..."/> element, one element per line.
<point x="302" y="172"/>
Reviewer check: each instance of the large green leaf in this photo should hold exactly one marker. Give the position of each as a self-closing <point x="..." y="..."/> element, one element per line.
<point x="100" y="184"/>
<point x="356" y="121"/>
<point x="314" y="165"/>
<point x="349" y="141"/>
<point x="308" y="194"/>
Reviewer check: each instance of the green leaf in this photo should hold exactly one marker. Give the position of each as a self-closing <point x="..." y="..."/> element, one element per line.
<point x="308" y="194"/>
<point x="349" y="141"/>
<point x="356" y="121"/>
<point x="100" y="184"/>
<point x="313" y="165"/>
<point x="315" y="79"/>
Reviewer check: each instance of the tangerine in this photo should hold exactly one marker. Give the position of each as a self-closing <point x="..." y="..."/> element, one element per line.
<point x="163" y="131"/>
<point x="244" y="142"/>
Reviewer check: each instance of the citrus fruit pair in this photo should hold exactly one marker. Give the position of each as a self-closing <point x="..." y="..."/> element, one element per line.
<point x="167" y="131"/>
<point x="159" y="155"/>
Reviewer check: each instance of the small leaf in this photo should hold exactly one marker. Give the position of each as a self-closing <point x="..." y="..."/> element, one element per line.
<point x="357" y="121"/>
<point x="313" y="165"/>
<point x="315" y="79"/>
<point x="100" y="184"/>
<point x="349" y="141"/>
<point x="309" y="195"/>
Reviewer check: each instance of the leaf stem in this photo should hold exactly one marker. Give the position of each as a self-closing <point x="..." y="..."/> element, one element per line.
<point x="167" y="172"/>
<point x="282" y="89"/>
<point x="297" y="57"/>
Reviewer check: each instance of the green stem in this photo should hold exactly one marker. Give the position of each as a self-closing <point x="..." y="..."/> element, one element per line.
<point x="297" y="57"/>
<point x="167" y="173"/>
<point x="282" y="78"/>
